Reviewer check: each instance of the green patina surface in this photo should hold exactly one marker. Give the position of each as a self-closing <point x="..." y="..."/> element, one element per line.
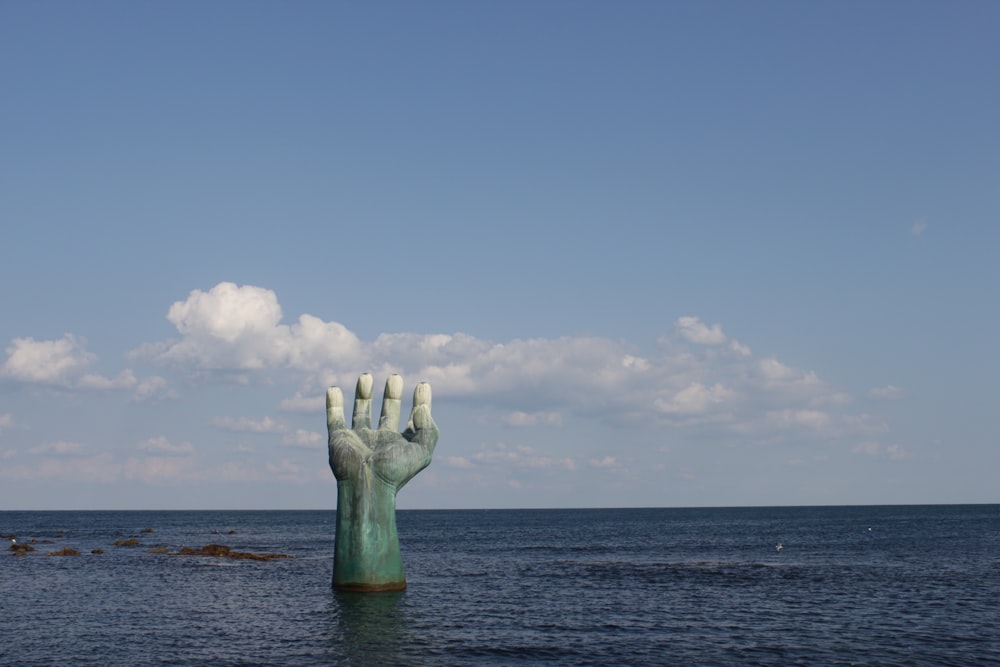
<point x="371" y="466"/>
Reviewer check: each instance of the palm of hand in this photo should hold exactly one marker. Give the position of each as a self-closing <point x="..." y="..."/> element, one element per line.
<point x="392" y="457"/>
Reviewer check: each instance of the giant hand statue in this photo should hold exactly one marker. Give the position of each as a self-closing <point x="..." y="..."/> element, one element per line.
<point x="371" y="466"/>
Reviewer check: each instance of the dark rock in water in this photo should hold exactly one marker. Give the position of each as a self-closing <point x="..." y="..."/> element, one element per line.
<point x="146" y="530"/>
<point x="21" y="549"/>
<point x="222" y="551"/>
<point x="65" y="551"/>
<point x="157" y="550"/>
<point x="97" y="551"/>
<point x="131" y="542"/>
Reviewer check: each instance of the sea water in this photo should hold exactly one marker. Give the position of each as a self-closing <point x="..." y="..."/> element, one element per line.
<point x="905" y="585"/>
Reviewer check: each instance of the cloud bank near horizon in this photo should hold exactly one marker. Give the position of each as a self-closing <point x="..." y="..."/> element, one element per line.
<point x="697" y="377"/>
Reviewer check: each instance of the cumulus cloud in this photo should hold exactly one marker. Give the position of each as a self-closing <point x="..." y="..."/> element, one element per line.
<point x="233" y="471"/>
<point x="284" y="470"/>
<point x="58" y="449"/>
<point x="867" y="448"/>
<point x="162" y="469"/>
<point x="693" y="330"/>
<point x="152" y="388"/>
<point x="700" y="376"/>
<point x="520" y="456"/>
<point x="519" y="418"/>
<point x="304" y="403"/>
<point x="64" y="362"/>
<point x="694" y="399"/>
<point x="101" y="468"/>
<point x="57" y="362"/>
<point x="304" y="439"/>
<point x="248" y="425"/>
<point x="888" y="392"/>
<point x="896" y="452"/>
<point x="238" y="328"/>
<point x="813" y="419"/>
<point x="459" y="462"/>
<point x="162" y="446"/>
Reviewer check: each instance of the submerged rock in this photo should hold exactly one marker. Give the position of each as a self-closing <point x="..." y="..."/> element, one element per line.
<point x="65" y="551"/>
<point x="131" y="542"/>
<point x="222" y="551"/>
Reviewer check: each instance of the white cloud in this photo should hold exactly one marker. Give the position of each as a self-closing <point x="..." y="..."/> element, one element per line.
<point x="123" y="380"/>
<point x="811" y="419"/>
<point x="100" y="469"/>
<point x="864" y="423"/>
<point x="304" y="439"/>
<point x="700" y="378"/>
<point x="237" y="328"/>
<point x="152" y="388"/>
<point x="918" y="228"/>
<point x="161" y="445"/>
<point x="519" y="418"/>
<point x="6" y="420"/>
<point x="897" y="452"/>
<point x="63" y="363"/>
<point x="232" y="471"/>
<point x="60" y="363"/>
<point x="459" y="462"/>
<point x="739" y="348"/>
<point x="694" y="399"/>
<point x="866" y="448"/>
<point x="58" y="449"/>
<point x="693" y="330"/>
<point x="520" y="456"/>
<point x="55" y="362"/>
<point x="248" y="425"/>
<point x="304" y="403"/>
<point x="286" y="469"/>
<point x="775" y="371"/>
<point x="162" y="469"/>
<point x="888" y="392"/>
<point x="606" y="462"/>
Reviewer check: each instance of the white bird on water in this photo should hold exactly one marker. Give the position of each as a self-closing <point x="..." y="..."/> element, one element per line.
<point x="779" y="547"/>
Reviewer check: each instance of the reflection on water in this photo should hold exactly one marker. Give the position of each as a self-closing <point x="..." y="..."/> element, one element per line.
<point x="371" y="627"/>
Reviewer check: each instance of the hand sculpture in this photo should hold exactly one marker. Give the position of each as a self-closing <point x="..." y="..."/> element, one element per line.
<point x="371" y="466"/>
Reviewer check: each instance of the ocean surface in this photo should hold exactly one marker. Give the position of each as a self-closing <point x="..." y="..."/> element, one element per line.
<point x="906" y="585"/>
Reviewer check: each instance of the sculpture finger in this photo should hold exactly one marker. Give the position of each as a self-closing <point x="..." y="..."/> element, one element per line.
<point x="421" y="427"/>
<point x="362" y="403"/>
<point x="334" y="410"/>
<point x="392" y="399"/>
<point x="422" y="395"/>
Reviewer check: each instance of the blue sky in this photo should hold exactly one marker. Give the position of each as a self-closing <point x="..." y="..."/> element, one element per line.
<point x="646" y="254"/>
